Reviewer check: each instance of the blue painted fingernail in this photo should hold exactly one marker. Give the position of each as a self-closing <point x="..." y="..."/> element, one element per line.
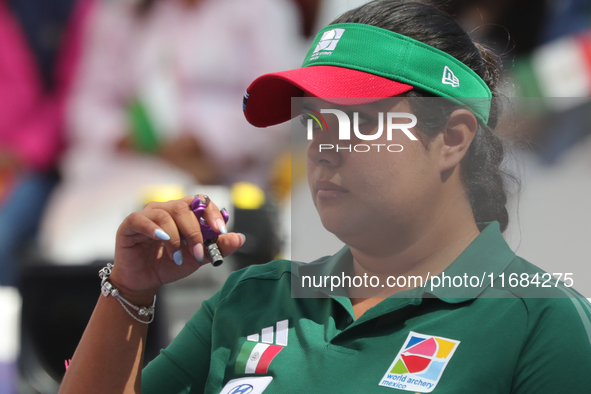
<point x="178" y="257"/>
<point x="161" y="234"/>
<point x="221" y="226"/>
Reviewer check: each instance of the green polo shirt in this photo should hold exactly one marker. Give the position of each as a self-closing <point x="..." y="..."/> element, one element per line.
<point x="254" y="336"/>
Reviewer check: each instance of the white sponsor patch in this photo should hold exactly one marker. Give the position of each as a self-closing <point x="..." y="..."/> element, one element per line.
<point x="254" y="385"/>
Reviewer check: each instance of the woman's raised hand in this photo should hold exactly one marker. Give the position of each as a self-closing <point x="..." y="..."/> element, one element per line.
<point x="149" y="246"/>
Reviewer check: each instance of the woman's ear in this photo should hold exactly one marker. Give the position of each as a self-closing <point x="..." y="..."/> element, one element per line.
<point x="456" y="138"/>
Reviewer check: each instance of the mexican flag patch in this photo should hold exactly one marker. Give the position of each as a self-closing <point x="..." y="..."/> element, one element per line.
<point x="256" y="355"/>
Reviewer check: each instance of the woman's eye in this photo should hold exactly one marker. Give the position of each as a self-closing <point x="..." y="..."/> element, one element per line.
<point x="363" y="118"/>
<point x="304" y="119"/>
<point x="364" y="123"/>
<point x="307" y="119"/>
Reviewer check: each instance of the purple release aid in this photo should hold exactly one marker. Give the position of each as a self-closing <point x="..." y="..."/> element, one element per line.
<point x="210" y="236"/>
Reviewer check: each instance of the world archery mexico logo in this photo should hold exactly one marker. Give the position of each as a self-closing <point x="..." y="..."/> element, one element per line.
<point x="420" y="363"/>
<point x="327" y="43"/>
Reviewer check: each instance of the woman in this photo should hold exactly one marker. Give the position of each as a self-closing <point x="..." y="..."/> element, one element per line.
<point x="435" y="209"/>
<point x="36" y="74"/>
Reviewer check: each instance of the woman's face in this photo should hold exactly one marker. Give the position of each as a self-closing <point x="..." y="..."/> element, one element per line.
<point x="366" y="198"/>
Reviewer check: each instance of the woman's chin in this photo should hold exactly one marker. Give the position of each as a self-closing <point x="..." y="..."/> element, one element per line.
<point x="340" y="225"/>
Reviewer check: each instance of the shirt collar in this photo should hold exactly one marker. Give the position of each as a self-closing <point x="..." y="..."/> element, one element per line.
<point x="488" y="254"/>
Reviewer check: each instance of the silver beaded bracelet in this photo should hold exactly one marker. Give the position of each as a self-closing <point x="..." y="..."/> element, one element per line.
<point x="108" y="289"/>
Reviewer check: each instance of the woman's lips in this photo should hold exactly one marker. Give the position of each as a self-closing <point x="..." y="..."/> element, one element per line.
<point x="326" y="189"/>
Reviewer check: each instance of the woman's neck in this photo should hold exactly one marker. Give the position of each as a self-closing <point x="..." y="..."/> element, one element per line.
<point x="426" y="249"/>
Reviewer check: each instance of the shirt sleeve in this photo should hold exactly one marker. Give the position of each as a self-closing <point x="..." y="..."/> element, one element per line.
<point x="556" y="351"/>
<point x="183" y="367"/>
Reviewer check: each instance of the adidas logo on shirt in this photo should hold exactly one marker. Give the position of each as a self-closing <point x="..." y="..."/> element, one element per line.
<point x="259" y="350"/>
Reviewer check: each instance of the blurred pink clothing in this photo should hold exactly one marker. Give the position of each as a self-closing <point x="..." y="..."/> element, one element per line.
<point x="191" y="65"/>
<point x="31" y="119"/>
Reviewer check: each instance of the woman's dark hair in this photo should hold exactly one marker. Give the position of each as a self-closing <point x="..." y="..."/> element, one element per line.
<point x="424" y="22"/>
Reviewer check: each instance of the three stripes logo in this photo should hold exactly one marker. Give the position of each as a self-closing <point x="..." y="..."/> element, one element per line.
<point x="449" y="78"/>
<point x="259" y="350"/>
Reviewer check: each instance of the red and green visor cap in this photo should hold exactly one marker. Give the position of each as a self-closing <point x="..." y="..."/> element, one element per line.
<point x="353" y="64"/>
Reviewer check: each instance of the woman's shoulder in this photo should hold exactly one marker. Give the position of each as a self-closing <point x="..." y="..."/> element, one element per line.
<point x="555" y="331"/>
<point x="527" y="280"/>
<point x="547" y="298"/>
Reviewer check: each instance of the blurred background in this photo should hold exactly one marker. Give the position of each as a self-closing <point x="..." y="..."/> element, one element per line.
<point x="108" y="104"/>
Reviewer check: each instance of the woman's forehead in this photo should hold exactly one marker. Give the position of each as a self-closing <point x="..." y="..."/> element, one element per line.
<point x="387" y="104"/>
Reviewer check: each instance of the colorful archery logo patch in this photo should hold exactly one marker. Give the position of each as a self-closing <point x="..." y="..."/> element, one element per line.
<point x="420" y="363"/>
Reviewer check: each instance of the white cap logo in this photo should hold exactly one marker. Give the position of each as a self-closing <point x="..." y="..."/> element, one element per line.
<point x="449" y="78"/>
<point x="329" y="40"/>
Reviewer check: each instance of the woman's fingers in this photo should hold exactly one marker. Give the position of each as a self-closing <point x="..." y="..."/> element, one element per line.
<point x="168" y="220"/>
<point x="187" y="226"/>
<point x="137" y="227"/>
<point x="182" y="224"/>
<point x="175" y="223"/>
<point x="213" y="216"/>
<point x="229" y="243"/>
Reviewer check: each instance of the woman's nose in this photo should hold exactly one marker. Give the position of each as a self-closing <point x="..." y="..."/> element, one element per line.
<point x="324" y="149"/>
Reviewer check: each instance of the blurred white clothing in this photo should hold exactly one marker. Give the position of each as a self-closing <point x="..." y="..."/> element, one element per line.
<point x="190" y="66"/>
